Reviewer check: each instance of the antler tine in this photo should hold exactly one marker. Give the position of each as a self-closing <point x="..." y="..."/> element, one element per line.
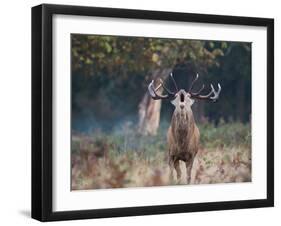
<point x="158" y="87"/>
<point x="165" y="87"/>
<point x="174" y="82"/>
<point x="212" y="95"/>
<point x="199" y="91"/>
<point x="153" y="92"/>
<point x="216" y="94"/>
<point x="193" y="82"/>
<point x="209" y="96"/>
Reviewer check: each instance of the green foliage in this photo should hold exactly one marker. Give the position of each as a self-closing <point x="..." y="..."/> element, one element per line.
<point x="125" y="139"/>
<point x="225" y="134"/>
<point x="122" y="55"/>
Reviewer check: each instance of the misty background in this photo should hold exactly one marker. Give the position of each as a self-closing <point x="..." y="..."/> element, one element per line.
<point x="110" y="76"/>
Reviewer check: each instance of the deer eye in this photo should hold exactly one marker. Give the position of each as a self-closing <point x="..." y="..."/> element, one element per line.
<point x="182" y="97"/>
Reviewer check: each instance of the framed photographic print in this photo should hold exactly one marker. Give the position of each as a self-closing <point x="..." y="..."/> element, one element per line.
<point x="146" y="112"/>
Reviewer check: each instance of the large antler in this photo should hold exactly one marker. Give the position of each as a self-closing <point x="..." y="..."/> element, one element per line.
<point x="153" y="91"/>
<point x="213" y="95"/>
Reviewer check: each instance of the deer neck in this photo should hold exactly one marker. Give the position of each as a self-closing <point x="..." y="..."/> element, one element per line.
<point x="182" y="124"/>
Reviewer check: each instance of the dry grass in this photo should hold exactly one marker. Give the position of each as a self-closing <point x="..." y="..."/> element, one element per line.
<point x="137" y="169"/>
<point x="123" y="158"/>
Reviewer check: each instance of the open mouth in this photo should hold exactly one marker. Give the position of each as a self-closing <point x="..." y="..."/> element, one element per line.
<point x="182" y="97"/>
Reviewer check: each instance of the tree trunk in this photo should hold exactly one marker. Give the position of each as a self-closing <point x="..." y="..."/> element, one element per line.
<point x="149" y="109"/>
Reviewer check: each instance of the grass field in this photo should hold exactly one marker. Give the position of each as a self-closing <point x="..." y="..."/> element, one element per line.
<point x="125" y="159"/>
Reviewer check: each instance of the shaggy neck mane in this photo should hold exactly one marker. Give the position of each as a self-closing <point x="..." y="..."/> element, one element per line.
<point x="182" y="125"/>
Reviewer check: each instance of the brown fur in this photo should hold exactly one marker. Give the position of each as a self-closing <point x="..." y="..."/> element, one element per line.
<point x="183" y="142"/>
<point x="183" y="134"/>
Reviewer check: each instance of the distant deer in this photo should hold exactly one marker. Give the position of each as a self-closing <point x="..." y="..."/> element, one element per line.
<point x="183" y="134"/>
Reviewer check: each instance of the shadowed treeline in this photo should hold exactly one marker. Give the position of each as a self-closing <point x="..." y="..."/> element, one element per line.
<point x="110" y="76"/>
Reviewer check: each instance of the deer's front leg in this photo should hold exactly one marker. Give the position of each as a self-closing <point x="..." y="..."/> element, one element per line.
<point x="178" y="170"/>
<point x="189" y="164"/>
<point x="171" y="168"/>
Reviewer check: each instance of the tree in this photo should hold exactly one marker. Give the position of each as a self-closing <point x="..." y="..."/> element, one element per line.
<point x="151" y="58"/>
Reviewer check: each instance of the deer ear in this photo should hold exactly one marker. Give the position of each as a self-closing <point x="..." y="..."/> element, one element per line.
<point x="173" y="102"/>
<point x="191" y="101"/>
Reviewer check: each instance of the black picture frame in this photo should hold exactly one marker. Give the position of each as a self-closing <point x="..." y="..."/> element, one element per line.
<point x="42" y="107"/>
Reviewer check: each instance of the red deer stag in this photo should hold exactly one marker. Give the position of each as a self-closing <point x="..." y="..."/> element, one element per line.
<point x="183" y="134"/>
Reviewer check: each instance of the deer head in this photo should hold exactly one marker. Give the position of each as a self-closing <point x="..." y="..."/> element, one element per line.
<point x="181" y="99"/>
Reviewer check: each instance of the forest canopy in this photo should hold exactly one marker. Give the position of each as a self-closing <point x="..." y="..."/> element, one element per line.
<point x="110" y="75"/>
